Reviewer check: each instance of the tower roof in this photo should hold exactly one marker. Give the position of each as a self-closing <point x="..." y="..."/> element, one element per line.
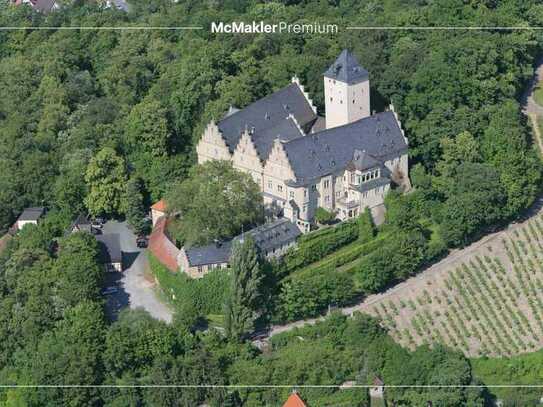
<point x="346" y="69"/>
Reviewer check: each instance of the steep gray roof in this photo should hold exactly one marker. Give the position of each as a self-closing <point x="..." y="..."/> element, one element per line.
<point x="110" y="248"/>
<point x="362" y="161"/>
<point x="265" y="118"/>
<point x="374" y="183"/>
<point x="346" y="69"/>
<point x="31" y="213"/>
<point x="274" y="235"/>
<point x="210" y="254"/>
<point x="267" y="238"/>
<point x="286" y="130"/>
<point x="331" y="150"/>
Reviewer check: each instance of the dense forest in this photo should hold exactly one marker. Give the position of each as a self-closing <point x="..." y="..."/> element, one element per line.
<point x="105" y="120"/>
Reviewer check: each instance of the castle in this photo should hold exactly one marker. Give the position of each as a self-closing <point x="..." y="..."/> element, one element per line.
<point x="343" y="162"/>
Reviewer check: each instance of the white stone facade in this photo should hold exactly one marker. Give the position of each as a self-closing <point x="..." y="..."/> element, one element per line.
<point x="345" y="191"/>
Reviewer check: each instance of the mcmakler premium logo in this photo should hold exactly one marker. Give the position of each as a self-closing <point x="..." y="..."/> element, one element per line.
<point x="260" y="27"/>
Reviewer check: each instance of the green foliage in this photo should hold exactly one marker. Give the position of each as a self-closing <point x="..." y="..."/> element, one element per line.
<point x="475" y="199"/>
<point x="396" y="259"/>
<point x="538" y="95"/>
<point x="520" y="370"/>
<point x="324" y="216"/>
<point x="135" y="209"/>
<point x="315" y="245"/>
<point x="106" y="176"/>
<point x="147" y="128"/>
<point x="366" y="230"/>
<point x="243" y="303"/>
<point x="216" y="202"/>
<point x="202" y="296"/>
<point x="304" y="296"/>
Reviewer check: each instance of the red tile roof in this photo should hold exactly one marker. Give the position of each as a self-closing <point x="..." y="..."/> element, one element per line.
<point x="159" y="206"/>
<point x="294" y="401"/>
<point x="162" y="247"/>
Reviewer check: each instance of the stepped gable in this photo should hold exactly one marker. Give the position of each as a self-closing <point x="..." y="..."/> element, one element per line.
<point x="329" y="151"/>
<point x="346" y="69"/>
<point x="268" y="118"/>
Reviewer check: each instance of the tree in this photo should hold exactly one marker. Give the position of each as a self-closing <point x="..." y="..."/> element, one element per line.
<point x="242" y="306"/>
<point x="475" y="199"/>
<point x="215" y="202"/>
<point x="105" y="177"/>
<point x="366" y="228"/>
<point x="147" y="128"/>
<point x="135" y="210"/>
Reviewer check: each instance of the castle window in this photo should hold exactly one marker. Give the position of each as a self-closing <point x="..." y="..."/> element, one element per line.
<point x="270" y="185"/>
<point x="341" y="101"/>
<point x="353" y="101"/>
<point x="291" y="194"/>
<point x="305" y="193"/>
<point x="280" y="188"/>
<point x="331" y="99"/>
<point x="327" y="199"/>
<point x="326" y="184"/>
<point x="313" y="187"/>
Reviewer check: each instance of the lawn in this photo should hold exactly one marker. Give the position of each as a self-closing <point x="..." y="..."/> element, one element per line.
<point x="538" y="94"/>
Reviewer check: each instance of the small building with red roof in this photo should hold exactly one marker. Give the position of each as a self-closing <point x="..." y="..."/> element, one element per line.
<point x="162" y="247"/>
<point x="158" y="210"/>
<point x="294" y="400"/>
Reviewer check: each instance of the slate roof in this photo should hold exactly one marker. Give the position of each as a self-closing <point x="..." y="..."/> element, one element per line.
<point x="328" y="151"/>
<point x="267" y="238"/>
<point x="346" y="69"/>
<point x="362" y="161"/>
<point x="31" y="213"/>
<point x="374" y="183"/>
<point x="81" y="223"/>
<point x="210" y="254"/>
<point x="274" y="235"/>
<point x="110" y="248"/>
<point x="266" y="118"/>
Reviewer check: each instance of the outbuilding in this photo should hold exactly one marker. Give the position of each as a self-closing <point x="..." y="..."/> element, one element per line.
<point x="30" y="216"/>
<point x="111" y="255"/>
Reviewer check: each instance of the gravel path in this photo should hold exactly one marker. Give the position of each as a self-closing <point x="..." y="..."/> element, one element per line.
<point x="135" y="290"/>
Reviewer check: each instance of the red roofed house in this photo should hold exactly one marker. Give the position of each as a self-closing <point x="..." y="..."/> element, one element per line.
<point x="162" y="247"/>
<point x="158" y="209"/>
<point x="294" y="400"/>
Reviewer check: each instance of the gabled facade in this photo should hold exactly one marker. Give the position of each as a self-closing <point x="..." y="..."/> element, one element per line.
<point x="344" y="162"/>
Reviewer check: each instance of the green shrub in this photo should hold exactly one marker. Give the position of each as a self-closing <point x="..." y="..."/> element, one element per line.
<point x="366" y="227"/>
<point x="323" y="216"/>
<point x="314" y="246"/>
<point x="205" y="295"/>
<point x="308" y="296"/>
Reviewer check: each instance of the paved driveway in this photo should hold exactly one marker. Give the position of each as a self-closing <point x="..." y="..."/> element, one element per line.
<point x="135" y="290"/>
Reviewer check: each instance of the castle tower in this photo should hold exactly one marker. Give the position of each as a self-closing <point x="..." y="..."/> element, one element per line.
<point x="346" y="91"/>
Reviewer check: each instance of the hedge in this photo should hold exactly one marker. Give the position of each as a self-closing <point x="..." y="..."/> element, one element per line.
<point x="309" y="296"/>
<point x="344" y="256"/>
<point x="314" y="246"/>
<point x="207" y="294"/>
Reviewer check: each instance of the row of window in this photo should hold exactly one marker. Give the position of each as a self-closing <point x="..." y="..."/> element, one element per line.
<point x="358" y="179"/>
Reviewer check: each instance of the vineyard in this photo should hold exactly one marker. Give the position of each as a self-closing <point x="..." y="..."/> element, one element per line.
<point x="487" y="303"/>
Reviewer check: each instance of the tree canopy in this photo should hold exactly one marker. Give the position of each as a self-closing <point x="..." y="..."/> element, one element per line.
<point x="216" y="201"/>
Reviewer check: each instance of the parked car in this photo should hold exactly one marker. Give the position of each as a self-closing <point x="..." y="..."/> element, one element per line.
<point x="109" y="290"/>
<point x="142" y="242"/>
